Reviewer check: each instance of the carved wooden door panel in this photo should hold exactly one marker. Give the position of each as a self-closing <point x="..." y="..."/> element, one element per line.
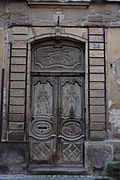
<point x="71" y="120"/>
<point x="43" y="127"/>
<point x="57" y="127"/>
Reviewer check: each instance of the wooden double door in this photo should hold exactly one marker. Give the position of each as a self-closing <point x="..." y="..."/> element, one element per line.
<point x="57" y="125"/>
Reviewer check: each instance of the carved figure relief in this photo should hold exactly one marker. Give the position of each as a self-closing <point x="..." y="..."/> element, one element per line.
<point x="43" y="99"/>
<point x="71" y="97"/>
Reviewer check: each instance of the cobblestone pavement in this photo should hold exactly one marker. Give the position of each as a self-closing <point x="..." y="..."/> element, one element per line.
<point x="54" y="177"/>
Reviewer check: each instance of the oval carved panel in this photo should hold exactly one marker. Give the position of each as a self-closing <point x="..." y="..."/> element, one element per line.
<point x="41" y="129"/>
<point x="72" y="130"/>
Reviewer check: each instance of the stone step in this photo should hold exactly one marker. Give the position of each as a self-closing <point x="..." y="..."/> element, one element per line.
<point x="52" y="177"/>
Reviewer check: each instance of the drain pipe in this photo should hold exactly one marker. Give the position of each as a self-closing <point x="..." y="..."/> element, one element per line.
<point x="2" y="88"/>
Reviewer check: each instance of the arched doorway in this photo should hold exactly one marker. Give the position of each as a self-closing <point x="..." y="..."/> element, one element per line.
<point x="57" y="127"/>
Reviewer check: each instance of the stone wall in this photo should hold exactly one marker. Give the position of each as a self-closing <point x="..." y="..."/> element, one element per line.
<point x="14" y="13"/>
<point x="92" y="25"/>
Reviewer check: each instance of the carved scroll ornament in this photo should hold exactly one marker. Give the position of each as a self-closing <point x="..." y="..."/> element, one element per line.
<point x="60" y="58"/>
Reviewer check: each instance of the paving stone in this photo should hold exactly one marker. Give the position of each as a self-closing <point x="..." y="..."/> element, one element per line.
<point x="54" y="177"/>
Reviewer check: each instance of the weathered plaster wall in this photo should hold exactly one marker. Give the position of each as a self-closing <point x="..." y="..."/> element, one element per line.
<point x="113" y="78"/>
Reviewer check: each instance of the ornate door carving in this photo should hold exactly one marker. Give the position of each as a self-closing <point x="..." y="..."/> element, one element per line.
<point x="71" y="121"/>
<point x="43" y="122"/>
<point x="57" y="125"/>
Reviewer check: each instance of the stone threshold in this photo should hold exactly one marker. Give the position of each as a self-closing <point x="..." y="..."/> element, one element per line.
<point x="56" y="170"/>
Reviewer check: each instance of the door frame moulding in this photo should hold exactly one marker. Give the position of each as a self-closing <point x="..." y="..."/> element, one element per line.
<point x="68" y="36"/>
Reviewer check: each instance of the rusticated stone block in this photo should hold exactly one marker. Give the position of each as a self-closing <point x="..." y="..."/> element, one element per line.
<point x="96" y="85"/>
<point x="97" y="93"/>
<point x="97" y="118"/>
<point x="96" y="38"/>
<point x="97" y="109"/>
<point x="97" y="77"/>
<point x="17" y="76"/>
<point x="15" y="135"/>
<point x="18" y="68"/>
<point x="19" y="30"/>
<point x="96" y="53"/>
<point x="18" y="109"/>
<point x="97" y="101"/>
<point x="16" y="117"/>
<point x="18" y="92"/>
<point x="96" y="61"/>
<point x="17" y="100"/>
<point x="95" y="30"/>
<point x="22" y="38"/>
<point x="98" y="154"/>
<point x="100" y="46"/>
<point x="17" y="84"/>
<point x="97" y="135"/>
<point x="18" y="60"/>
<point x="97" y="126"/>
<point x="18" y="45"/>
<point x="18" y="52"/>
<point x="16" y="125"/>
<point x="96" y="69"/>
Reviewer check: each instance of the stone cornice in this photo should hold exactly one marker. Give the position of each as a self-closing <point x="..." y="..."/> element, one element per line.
<point x="59" y="2"/>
